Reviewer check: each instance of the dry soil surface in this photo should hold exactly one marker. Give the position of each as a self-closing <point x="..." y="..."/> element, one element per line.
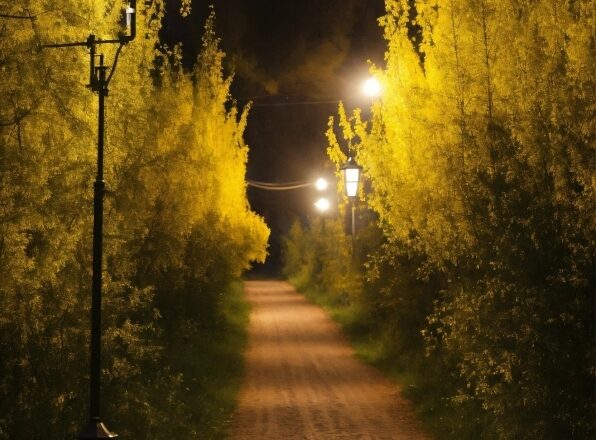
<point x="303" y="381"/>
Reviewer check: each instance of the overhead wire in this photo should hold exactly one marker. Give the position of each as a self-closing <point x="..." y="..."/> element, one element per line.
<point x="278" y="186"/>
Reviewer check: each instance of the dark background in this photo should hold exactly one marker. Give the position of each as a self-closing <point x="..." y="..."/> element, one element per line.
<point x="294" y="59"/>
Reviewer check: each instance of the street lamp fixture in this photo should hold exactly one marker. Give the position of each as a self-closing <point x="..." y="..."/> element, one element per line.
<point x="322" y="204"/>
<point x="351" y="173"/>
<point x="99" y="80"/>
<point x="372" y="87"/>
<point x="321" y="184"/>
<point x="129" y="13"/>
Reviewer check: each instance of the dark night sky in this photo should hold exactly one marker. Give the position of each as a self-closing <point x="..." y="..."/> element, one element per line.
<point x="294" y="59"/>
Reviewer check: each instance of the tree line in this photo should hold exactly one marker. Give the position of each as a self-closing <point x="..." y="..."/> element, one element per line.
<point x="177" y="230"/>
<point x="477" y="264"/>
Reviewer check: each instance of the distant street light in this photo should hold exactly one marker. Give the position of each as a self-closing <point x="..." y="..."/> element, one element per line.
<point x="99" y="79"/>
<point x="372" y="87"/>
<point x="321" y="184"/>
<point x="322" y="204"/>
<point x="351" y="174"/>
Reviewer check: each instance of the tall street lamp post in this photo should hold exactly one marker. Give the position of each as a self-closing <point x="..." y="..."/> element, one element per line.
<point x="351" y="175"/>
<point x="99" y="80"/>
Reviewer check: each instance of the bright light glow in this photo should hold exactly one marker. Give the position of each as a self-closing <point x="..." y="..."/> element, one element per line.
<point x="372" y="87"/>
<point x="322" y="204"/>
<point x="351" y="189"/>
<point x="352" y="174"/>
<point x="321" y="184"/>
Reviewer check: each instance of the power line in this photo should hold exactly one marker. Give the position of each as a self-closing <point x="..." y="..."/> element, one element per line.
<point x="278" y="186"/>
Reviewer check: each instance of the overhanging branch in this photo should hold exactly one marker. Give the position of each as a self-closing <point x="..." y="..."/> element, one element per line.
<point x="18" y="117"/>
<point x="18" y="17"/>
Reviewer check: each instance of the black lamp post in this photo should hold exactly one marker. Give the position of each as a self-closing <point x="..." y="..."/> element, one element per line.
<point x="351" y="174"/>
<point x="98" y="83"/>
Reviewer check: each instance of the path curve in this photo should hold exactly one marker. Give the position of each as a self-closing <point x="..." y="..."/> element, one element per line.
<point x="303" y="382"/>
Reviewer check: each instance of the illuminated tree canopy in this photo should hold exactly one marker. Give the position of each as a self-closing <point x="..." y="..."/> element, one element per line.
<point x="479" y="159"/>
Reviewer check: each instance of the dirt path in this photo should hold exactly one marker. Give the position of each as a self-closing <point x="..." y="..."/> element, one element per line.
<point x="303" y="381"/>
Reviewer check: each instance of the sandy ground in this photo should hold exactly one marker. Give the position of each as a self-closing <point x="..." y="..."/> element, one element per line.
<point x="303" y="381"/>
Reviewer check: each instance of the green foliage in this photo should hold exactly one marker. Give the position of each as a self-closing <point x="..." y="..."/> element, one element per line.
<point x="320" y="258"/>
<point x="177" y="231"/>
<point x="479" y="158"/>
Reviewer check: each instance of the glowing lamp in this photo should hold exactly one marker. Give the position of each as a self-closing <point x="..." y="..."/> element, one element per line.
<point x="372" y="87"/>
<point x="321" y="184"/>
<point x="351" y="174"/>
<point x="322" y="204"/>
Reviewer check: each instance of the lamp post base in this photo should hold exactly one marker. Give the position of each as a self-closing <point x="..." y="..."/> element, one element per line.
<point x="95" y="429"/>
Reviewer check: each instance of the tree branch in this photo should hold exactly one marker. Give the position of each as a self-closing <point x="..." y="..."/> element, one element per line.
<point x="18" y="17"/>
<point x="18" y="117"/>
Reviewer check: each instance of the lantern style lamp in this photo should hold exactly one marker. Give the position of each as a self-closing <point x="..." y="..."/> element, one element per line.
<point x="351" y="174"/>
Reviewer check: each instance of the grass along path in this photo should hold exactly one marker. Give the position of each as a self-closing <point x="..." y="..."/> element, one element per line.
<point x="210" y="365"/>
